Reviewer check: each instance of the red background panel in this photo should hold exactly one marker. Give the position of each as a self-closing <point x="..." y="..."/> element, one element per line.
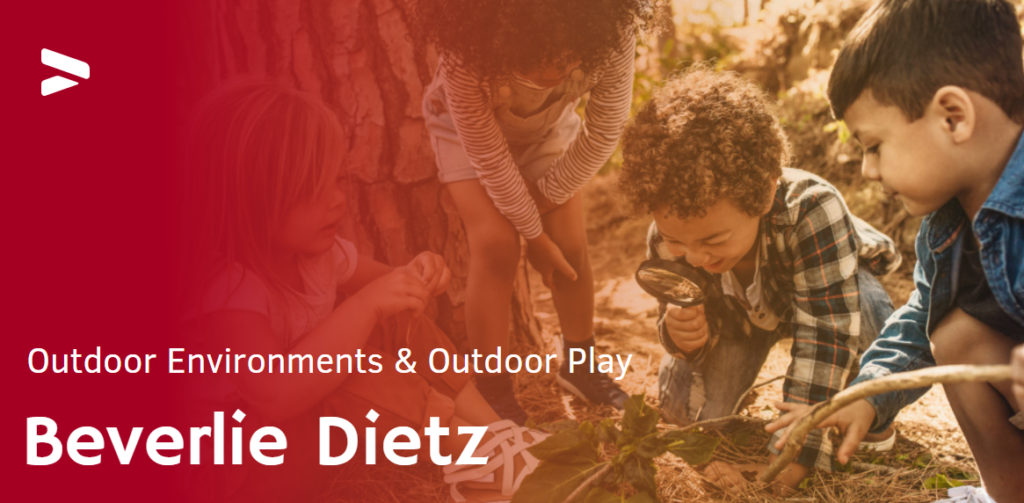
<point x="87" y="251"/>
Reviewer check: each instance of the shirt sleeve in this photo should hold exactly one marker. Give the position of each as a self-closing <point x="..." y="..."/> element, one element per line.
<point x="606" y="114"/>
<point x="487" y="149"/>
<point x="826" y="311"/>
<point x="346" y="258"/>
<point x="902" y="345"/>
<point x="234" y="289"/>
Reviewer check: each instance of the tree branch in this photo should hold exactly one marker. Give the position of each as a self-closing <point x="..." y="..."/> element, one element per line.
<point x="590" y="480"/>
<point x="946" y="374"/>
<point x="714" y="424"/>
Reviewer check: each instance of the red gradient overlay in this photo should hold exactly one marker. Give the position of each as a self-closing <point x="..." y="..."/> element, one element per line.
<point x="87" y="254"/>
<point x="90" y="260"/>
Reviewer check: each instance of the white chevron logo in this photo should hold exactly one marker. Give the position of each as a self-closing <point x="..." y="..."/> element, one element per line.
<point x="65" y="64"/>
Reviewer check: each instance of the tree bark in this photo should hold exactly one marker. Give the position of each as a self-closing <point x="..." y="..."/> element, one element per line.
<point x="358" y="56"/>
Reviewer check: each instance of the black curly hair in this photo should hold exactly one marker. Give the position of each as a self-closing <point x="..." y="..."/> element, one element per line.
<point x="703" y="137"/>
<point x="492" y="38"/>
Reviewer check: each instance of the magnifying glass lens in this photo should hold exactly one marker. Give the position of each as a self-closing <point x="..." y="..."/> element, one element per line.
<point x="670" y="284"/>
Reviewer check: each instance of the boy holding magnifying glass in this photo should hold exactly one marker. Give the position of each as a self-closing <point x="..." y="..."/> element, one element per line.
<point x="784" y="256"/>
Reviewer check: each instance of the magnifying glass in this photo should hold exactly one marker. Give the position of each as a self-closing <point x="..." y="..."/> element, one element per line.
<point x="672" y="282"/>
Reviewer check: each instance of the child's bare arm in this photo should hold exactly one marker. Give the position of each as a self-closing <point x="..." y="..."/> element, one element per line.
<point x="366" y="271"/>
<point x="428" y="266"/>
<point x="1017" y="367"/>
<point x="282" y="396"/>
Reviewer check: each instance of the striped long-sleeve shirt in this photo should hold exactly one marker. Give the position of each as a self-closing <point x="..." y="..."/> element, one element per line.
<point x="469" y="102"/>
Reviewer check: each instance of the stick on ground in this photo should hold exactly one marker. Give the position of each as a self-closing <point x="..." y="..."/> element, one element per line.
<point x="946" y="374"/>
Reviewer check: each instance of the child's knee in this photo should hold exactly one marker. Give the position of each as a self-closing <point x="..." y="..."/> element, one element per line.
<point x="574" y="249"/>
<point x="496" y="248"/>
<point x="961" y="339"/>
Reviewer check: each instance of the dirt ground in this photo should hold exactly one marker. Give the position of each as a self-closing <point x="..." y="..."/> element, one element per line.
<point x="929" y="440"/>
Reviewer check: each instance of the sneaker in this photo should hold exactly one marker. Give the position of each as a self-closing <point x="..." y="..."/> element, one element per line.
<point x="967" y="494"/>
<point x="882" y="442"/>
<point x="594" y="388"/>
<point x="502" y="398"/>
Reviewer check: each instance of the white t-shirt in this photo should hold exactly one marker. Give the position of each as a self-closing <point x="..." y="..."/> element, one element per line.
<point x="240" y="289"/>
<point x="751" y="297"/>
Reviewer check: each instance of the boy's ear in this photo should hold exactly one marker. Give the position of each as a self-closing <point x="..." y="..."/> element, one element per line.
<point x="954" y="107"/>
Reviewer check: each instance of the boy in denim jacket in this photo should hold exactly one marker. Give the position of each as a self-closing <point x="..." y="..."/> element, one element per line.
<point x="934" y="92"/>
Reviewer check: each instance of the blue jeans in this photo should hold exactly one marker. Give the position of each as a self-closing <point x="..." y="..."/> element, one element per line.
<point x="729" y="370"/>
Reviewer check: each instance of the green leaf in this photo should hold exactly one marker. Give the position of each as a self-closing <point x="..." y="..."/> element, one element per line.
<point x="804" y="484"/>
<point x="554" y="482"/>
<point x="956" y="473"/>
<point x="741" y="439"/>
<point x="558" y="426"/>
<point x="607" y="432"/>
<point x="588" y="430"/>
<point x="641" y="497"/>
<point x="694" y="448"/>
<point x="847" y="468"/>
<point x="923" y="460"/>
<point x="565" y="444"/>
<point x="601" y="495"/>
<point x="640" y="419"/>
<point x="939" y="481"/>
<point x="651" y="446"/>
<point x="640" y="473"/>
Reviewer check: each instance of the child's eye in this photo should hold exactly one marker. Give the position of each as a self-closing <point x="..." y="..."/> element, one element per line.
<point x="871" y="151"/>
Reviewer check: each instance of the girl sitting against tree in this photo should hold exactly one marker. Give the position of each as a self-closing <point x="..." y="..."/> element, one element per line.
<point x="501" y="114"/>
<point x="263" y="206"/>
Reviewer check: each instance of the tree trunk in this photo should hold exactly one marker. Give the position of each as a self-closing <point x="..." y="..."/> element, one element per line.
<point x="359" y="58"/>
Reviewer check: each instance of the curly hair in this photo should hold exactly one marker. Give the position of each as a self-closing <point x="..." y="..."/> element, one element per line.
<point x="704" y="136"/>
<point x="492" y="38"/>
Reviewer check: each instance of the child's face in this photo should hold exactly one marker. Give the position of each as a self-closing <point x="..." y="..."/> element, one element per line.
<point x="912" y="160"/>
<point x="310" y="227"/>
<point x="715" y="242"/>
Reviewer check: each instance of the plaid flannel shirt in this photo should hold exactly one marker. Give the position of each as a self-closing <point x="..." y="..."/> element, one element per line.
<point x="811" y="248"/>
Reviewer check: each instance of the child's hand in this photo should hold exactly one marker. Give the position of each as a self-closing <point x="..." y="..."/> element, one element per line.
<point x="728" y="477"/>
<point x="1017" y="372"/>
<point x="687" y="327"/>
<point x="853" y="421"/>
<point x="731" y="477"/>
<point x="545" y="256"/>
<point x="431" y="269"/>
<point x="397" y="291"/>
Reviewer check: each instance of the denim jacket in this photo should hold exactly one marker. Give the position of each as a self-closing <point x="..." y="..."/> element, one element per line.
<point x="903" y="344"/>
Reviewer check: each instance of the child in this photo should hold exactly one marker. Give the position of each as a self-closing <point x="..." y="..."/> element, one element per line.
<point x="514" y="155"/>
<point x="784" y="256"/>
<point x="1018" y="374"/>
<point x="263" y="207"/>
<point x="940" y="118"/>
